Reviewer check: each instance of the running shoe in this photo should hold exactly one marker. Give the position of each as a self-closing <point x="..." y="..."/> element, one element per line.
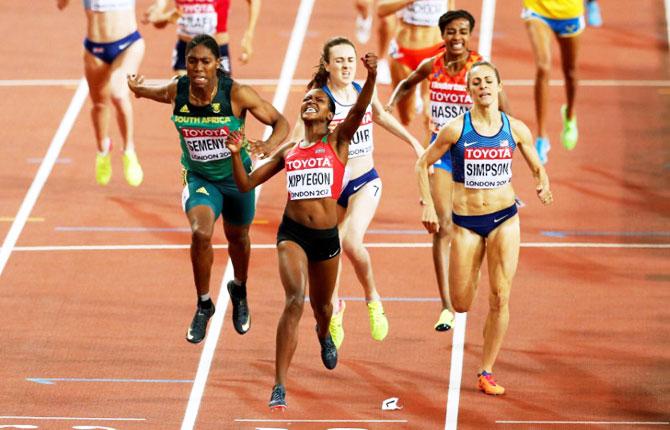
<point x="542" y="146"/>
<point x="103" y="168"/>
<point x="363" y="28"/>
<point x="379" y="324"/>
<point x="569" y="134"/>
<point x="196" y="332"/>
<point x="486" y="383"/>
<point x="238" y="297"/>
<point x="593" y="17"/>
<point x="278" y="398"/>
<point x="132" y="169"/>
<point x="335" y="327"/>
<point x="446" y="321"/>
<point x="328" y="351"/>
<point x="383" y="72"/>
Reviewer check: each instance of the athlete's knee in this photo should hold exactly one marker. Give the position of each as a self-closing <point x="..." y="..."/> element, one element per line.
<point x="201" y="236"/>
<point x="324" y="310"/>
<point x="460" y="304"/>
<point x="99" y="105"/>
<point x="294" y="302"/>
<point x="352" y="246"/>
<point x="461" y="299"/>
<point x="543" y="69"/>
<point x="237" y="236"/>
<point x="445" y="227"/>
<point x="570" y="73"/>
<point x="499" y="299"/>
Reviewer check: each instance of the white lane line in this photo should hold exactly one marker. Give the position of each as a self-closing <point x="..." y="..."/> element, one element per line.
<point x="455" y="371"/>
<point x="279" y="101"/>
<point x="597" y="423"/>
<point x="151" y="247"/>
<point x="666" y="3"/>
<point x="254" y="420"/>
<point x="302" y="82"/>
<point x="43" y="172"/>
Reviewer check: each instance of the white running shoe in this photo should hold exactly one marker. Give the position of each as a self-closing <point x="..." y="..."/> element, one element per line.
<point x="383" y="72"/>
<point x="363" y="28"/>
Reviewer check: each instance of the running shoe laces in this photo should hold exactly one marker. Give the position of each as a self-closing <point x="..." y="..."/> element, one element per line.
<point x="379" y="324"/>
<point x="328" y="351"/>
<point x="487" y="383"/>
<point x="198" y="328"/>
<point x="238" y="297"/>
<point x="278" y="398"/>
<point x="336" y="327"/>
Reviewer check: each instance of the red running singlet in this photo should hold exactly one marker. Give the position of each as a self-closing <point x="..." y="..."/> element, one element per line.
<point x="314" y="172"/>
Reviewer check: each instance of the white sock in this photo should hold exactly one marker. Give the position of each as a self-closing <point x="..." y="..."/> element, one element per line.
<point x="204" y="297"/>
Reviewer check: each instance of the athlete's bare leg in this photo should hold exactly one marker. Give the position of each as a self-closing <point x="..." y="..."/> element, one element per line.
<point x="502" y="253"/>
<point x="540" y="39"/>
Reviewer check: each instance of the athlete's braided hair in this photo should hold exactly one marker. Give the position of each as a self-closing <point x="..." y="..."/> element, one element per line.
<point x="451" y="15"/>
<point x="320" y="77"/>
<point x="210" y="43"/>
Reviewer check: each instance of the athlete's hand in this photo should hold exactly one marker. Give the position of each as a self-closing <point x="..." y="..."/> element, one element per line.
<point x="260" y="148"/>
<point x="235" y="141"/>
<point x="158" y="17"/>
<point x="429" y="218"/>
<point x="247" y="48"/>
<point x="544" y="193"/>
<point x="370" y="62"/>
<point x="134" y="83"/>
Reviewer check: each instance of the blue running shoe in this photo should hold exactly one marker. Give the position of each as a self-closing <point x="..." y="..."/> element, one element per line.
<point x="542" y="146"/>
<point x="593" y="17"/>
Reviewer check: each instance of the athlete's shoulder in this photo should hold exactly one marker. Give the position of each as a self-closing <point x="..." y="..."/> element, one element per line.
<point x="451" y="131"/>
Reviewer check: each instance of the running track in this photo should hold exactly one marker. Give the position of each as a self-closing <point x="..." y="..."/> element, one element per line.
<point x="96" y="289"/>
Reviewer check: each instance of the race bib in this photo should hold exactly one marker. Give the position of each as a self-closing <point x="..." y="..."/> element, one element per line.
<point x="424" y="12"/>
<point x="197" y="19"/>
<point x="309" y="183"/>
<point x="447" y="101"/>
<point x="486" y="168"/>
<point x="361" y="143"/>
<point x="206" y="144"/>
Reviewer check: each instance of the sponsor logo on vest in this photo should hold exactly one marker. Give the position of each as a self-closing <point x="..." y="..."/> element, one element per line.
<point x="216" y="107"/>
<point x="184" y="109"/>
<point x="206" y="144"/>
<point x="202" y="190"/>
<point x="487" y="167"/>
<point x="459" y="98"/>
<point x="195" y="120"/>
<point x="308" y="163"/>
